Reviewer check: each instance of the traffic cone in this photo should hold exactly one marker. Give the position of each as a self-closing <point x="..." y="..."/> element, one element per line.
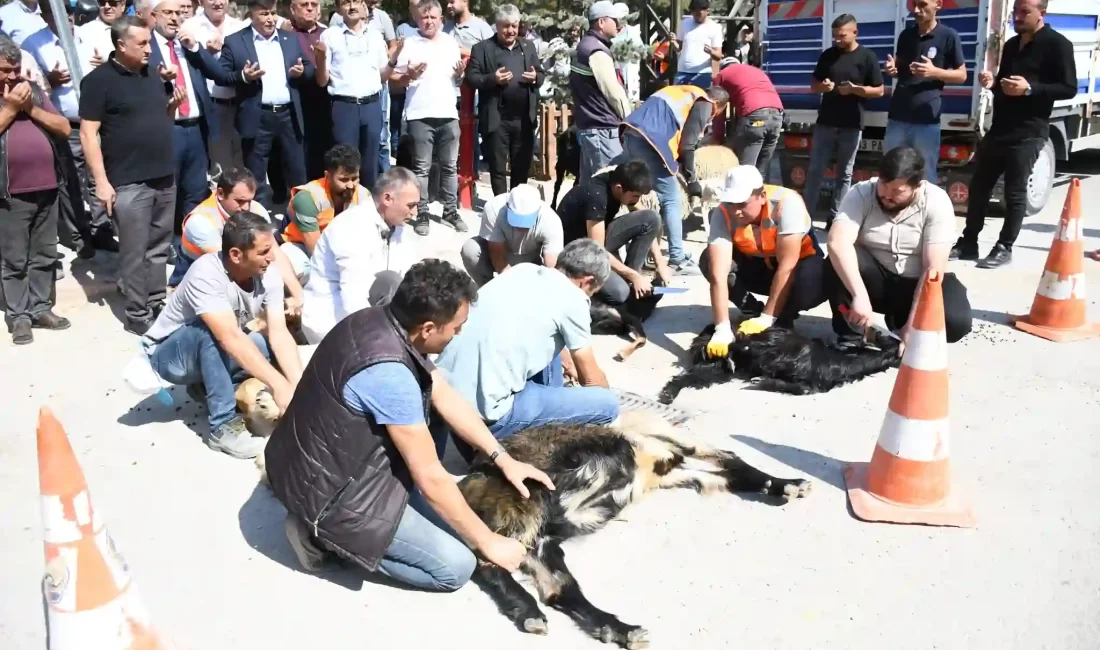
<point x="91" y="602"/>
<point x="908" y="480"/>
<point x="1058" y="313"/>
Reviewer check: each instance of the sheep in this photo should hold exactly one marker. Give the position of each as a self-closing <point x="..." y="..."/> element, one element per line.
<point x="780" y="360"/>
<point x="597" y="472"/>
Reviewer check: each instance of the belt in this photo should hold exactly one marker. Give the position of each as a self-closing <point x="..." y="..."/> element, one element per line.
<point x="357" y="100"/>
<point x="275" y="108"/>
<point x="224" y="101"/>
<point x="188" y="121"/>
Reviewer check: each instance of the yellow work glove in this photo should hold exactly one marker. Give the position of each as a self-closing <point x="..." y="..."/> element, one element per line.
<point x="719" y="346"/>
<point x="756" y="325"/>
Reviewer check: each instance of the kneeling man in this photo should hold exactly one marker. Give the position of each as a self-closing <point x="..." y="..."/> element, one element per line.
<point x="525" y="325"/>
<point x="889" y="233"/>
<point x="198" y="340"/>
<point x="766" y="231"/>
<point x="354" y="462"/>
<point x="516" y="227"/>
<point x="362" y="255"/>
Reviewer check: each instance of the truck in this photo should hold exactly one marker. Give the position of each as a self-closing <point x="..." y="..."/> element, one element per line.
<point x="794" y="33"/>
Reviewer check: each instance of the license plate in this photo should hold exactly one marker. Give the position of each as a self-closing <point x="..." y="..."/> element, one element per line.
<point x="870" y="145"/>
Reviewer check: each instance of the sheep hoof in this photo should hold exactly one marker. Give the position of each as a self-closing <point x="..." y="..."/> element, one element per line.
<point x="637" y="638"/>
<point x="535" y="626"/>
<point x="797" y="489"/>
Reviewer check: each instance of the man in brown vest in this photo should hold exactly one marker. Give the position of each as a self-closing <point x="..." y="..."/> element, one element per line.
<point x="365" y="395"/>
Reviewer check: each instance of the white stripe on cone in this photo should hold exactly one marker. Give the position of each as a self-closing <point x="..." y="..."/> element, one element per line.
<point x="110" y="627"/>
<point x="59" y="529"/>
<point x="1073" y="230"/>
<point x="918" y="440"/>
<point x="1056" y="287"/>
<point x="926" y="350"/>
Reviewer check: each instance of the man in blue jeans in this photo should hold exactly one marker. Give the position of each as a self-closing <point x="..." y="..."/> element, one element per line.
<point x="846" y="75"/>
<point x="528" y="321"/>
<point x="199" y="340"/>
<point x="929" y="55"/>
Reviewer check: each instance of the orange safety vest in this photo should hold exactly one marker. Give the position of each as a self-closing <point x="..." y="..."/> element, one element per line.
<point x="759" y="239"/>
<point x="318" y="189"/>
<point x="660" y="120"/>
<point x="210" y="210"/>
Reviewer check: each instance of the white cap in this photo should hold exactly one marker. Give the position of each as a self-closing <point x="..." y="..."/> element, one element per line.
<point x="523" y="206"/>
<point x="605" y="9"/>
<point x="741" y="182"/>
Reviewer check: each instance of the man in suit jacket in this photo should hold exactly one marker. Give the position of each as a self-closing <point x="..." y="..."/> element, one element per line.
<point x="194" y="119"/>
<point x="507" y="73"/>
<point x="266" y="66"/>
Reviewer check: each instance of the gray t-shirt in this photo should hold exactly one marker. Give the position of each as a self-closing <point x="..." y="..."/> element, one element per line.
<point x="785" y="208"/>
<point x="470" y="33"/>
<point x="522" y="319"/>
<point x="207" y="289"/>
<point x="524" y="244"/>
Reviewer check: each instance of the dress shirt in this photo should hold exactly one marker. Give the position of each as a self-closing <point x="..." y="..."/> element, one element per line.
<point x="19" y="21"/>
<point x="96" y="35"/>
<point x="355" y="60"/>
<point x="276" y="86"/>
<point x="45" y="48"/>
<point x="184" y="71"/>
<point x="200" y="27"/>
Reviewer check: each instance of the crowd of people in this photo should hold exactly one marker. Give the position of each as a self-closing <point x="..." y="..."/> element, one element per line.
<point x="356" y="455"/>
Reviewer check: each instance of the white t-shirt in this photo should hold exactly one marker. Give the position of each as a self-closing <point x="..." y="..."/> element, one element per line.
<point x="202" y="30"/>
<point x="433" y="94"/>
<point x="693" y="36"/>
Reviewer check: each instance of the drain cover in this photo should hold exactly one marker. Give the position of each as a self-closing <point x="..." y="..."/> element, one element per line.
<point x="634" y="401"/>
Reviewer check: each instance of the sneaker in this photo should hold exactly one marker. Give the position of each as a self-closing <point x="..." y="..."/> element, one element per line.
<point x="21" y="333"/>
<point x="298" y="534"/>
<point x="50" y="321"/>
<point x="964" y="250"/>
<point x="750" y="306"/>
<point x="686" y="266"/>
<point x="455" y="221"/>
<point x="420" y="225"/>
<point x="998" y="257"/>
<point x="233" y="438"/>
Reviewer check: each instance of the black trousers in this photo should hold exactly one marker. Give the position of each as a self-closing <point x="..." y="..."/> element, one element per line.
<point x="892" y="295"/>
<point x="635" y="231"/>
<point x="514" y="141"/>
<point x="28" y="250"/>
<point x="1014" y="159"/>
<point x="276" y="132"/>
<point x="753" y="275"/>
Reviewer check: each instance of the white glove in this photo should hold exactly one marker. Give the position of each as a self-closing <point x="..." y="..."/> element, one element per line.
<point x="756" y="325"/>
<point x="719" y="345"/>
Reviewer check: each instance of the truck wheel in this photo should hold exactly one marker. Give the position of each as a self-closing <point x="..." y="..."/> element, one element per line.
<point x="1040" y="183"/>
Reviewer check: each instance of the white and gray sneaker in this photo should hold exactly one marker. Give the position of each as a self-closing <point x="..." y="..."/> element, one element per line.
<point x="686" y="266"/>
<point x="234" y="439"/>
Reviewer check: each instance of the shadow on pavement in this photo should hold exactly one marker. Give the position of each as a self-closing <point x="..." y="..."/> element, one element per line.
<point x="823" y="468"/>
<point x="151" y="411"/>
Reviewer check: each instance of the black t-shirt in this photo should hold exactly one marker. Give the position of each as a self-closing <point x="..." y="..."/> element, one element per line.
<point x="591" y="201"/>
<point x="859" y="67"/>
<point x="916" y="100"/>
<point x="135" y="131"/>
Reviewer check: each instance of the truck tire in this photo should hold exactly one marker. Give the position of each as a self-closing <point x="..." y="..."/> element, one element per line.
<point x="1040" y="183"/>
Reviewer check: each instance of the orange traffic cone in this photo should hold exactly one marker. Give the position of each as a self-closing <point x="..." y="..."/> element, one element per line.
<point x="1058" y="313"/>
<point x="908" y="480"/>
<point x="91" y="602"/>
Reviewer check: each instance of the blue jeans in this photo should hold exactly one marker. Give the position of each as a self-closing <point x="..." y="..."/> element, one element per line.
<point x="925" y="138"/>
<point x="668" y="192"/>
<point x="598" y="148"/>
<point x="384" y="141"/>
<point x="546" y="400"/>
<point x="360" y="126"/>
<point x="827" y="141"/>
<point x="425" y="551"/>
<point x="699" y="79"/>
<point x="191" y="355"/>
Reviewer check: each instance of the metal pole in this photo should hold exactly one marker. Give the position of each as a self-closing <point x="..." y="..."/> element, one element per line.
<point x="68" y="43"/>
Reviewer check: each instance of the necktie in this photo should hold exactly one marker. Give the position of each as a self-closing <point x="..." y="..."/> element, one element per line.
<point x="181" y="83"/>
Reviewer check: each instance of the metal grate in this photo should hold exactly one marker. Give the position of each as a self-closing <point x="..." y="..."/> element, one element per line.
<point x="675" y="416"/>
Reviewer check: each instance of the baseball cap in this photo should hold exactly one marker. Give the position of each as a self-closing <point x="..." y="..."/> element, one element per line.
<point x="606" y="9"/>
<point x="523" y="206"/>
<point x="741" y="182"/>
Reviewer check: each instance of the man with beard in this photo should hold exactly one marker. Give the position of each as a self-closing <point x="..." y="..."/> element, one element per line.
<point x="889" y="233"/>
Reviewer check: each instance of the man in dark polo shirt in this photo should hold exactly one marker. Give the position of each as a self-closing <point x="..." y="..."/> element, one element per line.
<point x="29" y="127"/>
<point x="126" y="113"/>
<point x="303" y="23"/>
<point x="929" y="56"/>
<point x="1036" y="70"/>
<point x="753" y="131"/>
<point x="847" y="75"/>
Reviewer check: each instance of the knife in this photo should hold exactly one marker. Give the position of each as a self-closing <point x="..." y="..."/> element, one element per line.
<point x="844" y="311"/>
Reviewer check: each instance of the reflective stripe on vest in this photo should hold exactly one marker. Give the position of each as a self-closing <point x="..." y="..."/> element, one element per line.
<point x="318" y="189"/>
<point x="212" y="212"/>
<point x="760" y="239"/>
<point x="660" y="120"/>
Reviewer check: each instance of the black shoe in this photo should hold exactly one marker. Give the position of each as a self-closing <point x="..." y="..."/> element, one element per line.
<point x="785" y="323"/>
<point x="21" y="333"/>
<point x="58" y="270"/>
<point x="456" y="222"/>
<point x="105" y="242"/>
<point x="86" y="251"/>
<point x="420" y="225"/>
<point x="173" y="259"/>
<point x="998" y="257"/>
<point x="749" y="306"/>
<point x="138" y="326"/>
<point x="50" y="321"/>
<point x="964" y="250"/>
<point x="156" y="308"/>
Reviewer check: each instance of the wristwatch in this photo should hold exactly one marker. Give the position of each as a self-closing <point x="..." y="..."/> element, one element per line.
<point x="499" y="452"/>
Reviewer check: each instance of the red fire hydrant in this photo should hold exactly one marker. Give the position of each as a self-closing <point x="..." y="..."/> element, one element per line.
<point x="467" y="166"/>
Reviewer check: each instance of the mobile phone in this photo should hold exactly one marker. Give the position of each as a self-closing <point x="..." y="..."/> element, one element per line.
<point x="845" y="83"/>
